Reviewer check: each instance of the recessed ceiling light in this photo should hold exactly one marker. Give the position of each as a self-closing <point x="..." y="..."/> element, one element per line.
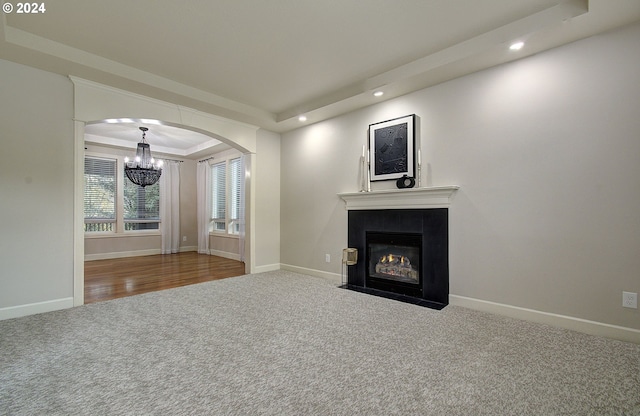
<point x="516" y="46"/>
<point x="302" y="118"/>
<point x="378" y="94"/>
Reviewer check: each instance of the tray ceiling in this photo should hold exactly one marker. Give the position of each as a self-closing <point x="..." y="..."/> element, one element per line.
<point x="266" y="62"/>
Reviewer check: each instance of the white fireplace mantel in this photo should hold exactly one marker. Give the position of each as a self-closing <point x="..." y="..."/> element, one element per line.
<point x="432" y="197"/>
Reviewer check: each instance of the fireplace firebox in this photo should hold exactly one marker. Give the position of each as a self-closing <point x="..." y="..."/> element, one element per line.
<point x="394" y="262"/>
<point x="405" y="254"/>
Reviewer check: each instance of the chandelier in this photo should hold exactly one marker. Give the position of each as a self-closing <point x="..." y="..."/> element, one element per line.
<point x="143" y="170"/>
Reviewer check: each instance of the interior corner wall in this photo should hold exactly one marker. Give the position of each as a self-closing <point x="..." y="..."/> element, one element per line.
<point x="546" y="152"/>
<point x="37" y="188"/>
<point x="267" y="204"/>
<point x="188" y="197"/>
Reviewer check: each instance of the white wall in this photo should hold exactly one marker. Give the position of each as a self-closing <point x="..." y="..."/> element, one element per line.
<point x="267" y="179"/>
<point x="546" y="151"/>
<point x="36" y="189"/>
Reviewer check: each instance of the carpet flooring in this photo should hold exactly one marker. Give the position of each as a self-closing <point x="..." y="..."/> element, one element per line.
<point x="281" y="343"/>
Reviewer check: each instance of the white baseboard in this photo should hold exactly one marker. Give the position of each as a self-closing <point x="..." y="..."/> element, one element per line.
<point x="575" y="324"/>
<point x="34" y="308"/>
<point x="121" y="254"/>
<point x="267" y="268"/>
<point x="226" y="255"/>
<point x="333" y="277"/>
<point x="136" y="253"/>
<point x="561" y="321"/>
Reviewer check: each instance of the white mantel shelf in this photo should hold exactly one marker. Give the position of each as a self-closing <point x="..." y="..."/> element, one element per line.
<point x="432" y="197"/>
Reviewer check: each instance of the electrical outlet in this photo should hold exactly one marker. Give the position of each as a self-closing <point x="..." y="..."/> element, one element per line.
<point x="630" y="300"/>
<point x="327" y="258"/>
<point x="184" y="238"/>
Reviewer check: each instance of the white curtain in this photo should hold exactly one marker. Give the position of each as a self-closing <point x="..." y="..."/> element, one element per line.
<point x="170" y="207"/>
<point x="244" y="161"/>
<point x="203" y="193"/>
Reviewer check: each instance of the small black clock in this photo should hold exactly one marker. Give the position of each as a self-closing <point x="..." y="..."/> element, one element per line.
<point x="405" y="182"/>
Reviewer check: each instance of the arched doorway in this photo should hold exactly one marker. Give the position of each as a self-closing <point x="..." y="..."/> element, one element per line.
<point x="95" y="102"/>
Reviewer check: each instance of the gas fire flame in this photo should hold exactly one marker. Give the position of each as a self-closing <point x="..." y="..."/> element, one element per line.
<point x="395" y="259"/>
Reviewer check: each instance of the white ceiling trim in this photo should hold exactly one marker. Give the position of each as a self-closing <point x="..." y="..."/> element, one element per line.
<point x="39" y="44"/>
<point x="128" y="144"/>
<point x="99" y="105"/>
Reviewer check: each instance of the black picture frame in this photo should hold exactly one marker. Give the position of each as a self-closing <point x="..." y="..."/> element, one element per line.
<point x="391" y="148"/>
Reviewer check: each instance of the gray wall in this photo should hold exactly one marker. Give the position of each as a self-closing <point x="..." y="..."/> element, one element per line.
<point x="36" y="186"/>
<point x="546" y="151"/>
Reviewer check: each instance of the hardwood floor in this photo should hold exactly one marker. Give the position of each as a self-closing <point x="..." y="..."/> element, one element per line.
<point x="116" y="278"/>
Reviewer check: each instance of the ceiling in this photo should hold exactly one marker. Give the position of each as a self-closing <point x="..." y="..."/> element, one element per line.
<point x="265" y="62"/>
<point x="163" y="139"/>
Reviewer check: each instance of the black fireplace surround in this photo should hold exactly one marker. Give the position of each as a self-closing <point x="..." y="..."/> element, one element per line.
<point x="422" y="234"/>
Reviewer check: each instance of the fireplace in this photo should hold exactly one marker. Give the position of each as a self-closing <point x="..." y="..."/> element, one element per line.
<point x="405" y="254"/>
<point x="394" y="262"/>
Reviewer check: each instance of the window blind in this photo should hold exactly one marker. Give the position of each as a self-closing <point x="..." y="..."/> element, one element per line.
<point x="219" y="200"/>
<point x="236" y="187"/>
<point x="99" y="194"/>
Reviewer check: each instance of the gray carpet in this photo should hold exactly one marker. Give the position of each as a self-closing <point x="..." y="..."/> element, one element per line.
<point x="281" y="343"/>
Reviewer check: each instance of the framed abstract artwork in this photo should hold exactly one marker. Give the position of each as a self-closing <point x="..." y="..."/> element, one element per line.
<point x="391" y="145"/>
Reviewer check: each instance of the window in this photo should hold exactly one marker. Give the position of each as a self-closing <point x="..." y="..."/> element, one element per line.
<point x="236" y="187"/>
<point x="99" y="194"/>
<point x="112" y="203"/>
<point x="141" y="206"/>
<point x="219" y="195"/>
<point x="227" y="182"/>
